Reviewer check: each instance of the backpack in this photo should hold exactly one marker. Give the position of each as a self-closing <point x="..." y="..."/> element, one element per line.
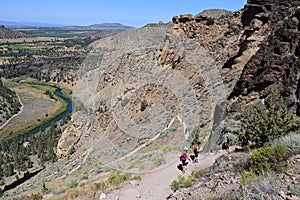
<point x="183" y="157"/>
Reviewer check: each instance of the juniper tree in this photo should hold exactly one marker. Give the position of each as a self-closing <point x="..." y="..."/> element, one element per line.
<point x="268" y="120"/>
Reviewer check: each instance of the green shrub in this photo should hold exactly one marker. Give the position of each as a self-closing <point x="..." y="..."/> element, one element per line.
<point x="196" y="135"/>
<point x="268" y="121"/>
<point x="73" y="184"/>
<point x="174" y="185"/>
<point x="103" y="185"/>
<point x="144" y="105"/>
<point x="72" y="150"/>
<point x="292" y="142"/>
<point x="247" y="177"/>
<point x="199" y="173"/>
<point x="136" y="177"/>
<point x="182" y="182"/>
<point x="188" y="181"/>
<point x="174" y="64"/>
<point x="166" y="149"/>
<point x="159" y="161"/>
<point x="261" y="187"/>
<point x="270" y="158"/>
<point x="44" y="189"/>
<point x="81" y="184"/>
<point x="115" y="179"/>
<point x="210" y="21"/>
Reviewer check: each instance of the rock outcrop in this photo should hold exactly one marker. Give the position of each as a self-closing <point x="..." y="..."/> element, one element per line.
<point x="268" y="58"/>
<point x="223" y="180"/>
<point x="69" y="140"/>
<point x="277" y="61"/>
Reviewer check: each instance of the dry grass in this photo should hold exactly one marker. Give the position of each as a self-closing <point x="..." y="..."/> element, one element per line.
<point x="72" y="194"/>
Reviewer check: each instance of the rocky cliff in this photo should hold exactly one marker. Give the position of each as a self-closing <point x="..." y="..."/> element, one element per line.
<point x="276" y="63"/>
<point x="268" y="51"/>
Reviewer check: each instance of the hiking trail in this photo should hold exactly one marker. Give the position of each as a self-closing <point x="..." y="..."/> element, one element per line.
<point x="155" y="185"/>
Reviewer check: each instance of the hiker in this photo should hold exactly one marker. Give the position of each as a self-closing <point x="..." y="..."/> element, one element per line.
<point x="184" y="157"/>
<point x="244" y="141"/>
<point x="231" y="139"/>
<point x="196" y="150"/>
<point x="226" y="144"/>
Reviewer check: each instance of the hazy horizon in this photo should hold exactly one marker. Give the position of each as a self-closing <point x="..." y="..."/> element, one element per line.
<point x="131" y="13"/>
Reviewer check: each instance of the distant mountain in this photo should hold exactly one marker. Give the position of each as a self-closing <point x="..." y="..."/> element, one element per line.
<point x="6" y="33"/>
<point x="102" y="26"/>
<point x="111" y="26"/>
<point x="29" y="24"/>
<point x="214" y="13"/>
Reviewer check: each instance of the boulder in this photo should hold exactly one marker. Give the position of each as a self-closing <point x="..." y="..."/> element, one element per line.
<point x="175" y="20"/>
<point x="186" y="18"/>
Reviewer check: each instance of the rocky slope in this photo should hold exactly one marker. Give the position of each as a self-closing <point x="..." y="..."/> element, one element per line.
<point x="130" y="69"/>
<point x="9" y="104"/>
<point x="6" y="33"/>
<point x="223" y="180"/>
<point x="140" y="94"/>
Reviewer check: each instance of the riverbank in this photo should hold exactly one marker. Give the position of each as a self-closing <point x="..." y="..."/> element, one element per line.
<point x="40" y="106"/>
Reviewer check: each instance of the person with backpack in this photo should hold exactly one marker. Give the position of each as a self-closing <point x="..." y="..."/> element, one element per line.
<point x="184" y="157"/>
<point x="196" y="150"/>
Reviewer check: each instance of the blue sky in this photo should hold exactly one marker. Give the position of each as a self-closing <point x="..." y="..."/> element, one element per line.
<point x="129" y="12"/>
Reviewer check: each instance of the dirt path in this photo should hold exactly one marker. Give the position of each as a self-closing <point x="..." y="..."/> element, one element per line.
<point x="155" y="185"/>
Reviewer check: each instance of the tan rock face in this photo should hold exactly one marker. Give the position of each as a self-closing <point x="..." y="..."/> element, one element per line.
<point x="69" y="138"/>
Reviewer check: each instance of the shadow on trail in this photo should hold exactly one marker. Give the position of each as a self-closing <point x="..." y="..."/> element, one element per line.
<point x="26" y="177"/>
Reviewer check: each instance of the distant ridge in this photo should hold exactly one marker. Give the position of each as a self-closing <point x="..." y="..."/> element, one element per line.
<point x="111" y="26"/>
<point x="105" y="26"/>
<point x="6" y="33"/>
<point x="29" y="24"/>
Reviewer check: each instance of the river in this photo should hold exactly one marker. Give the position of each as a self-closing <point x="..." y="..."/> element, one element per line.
<point x="57" y="118"/>
<point x="29" y="175"/>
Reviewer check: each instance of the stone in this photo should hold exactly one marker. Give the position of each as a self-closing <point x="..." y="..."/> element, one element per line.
<point x="175" y="20"/>
<point x="256" y="24"/>
<point x="176" y="26"/>
<point x="102" y="196"/>
<point x="134" y="182"/>
<point x="281" y="194"/>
